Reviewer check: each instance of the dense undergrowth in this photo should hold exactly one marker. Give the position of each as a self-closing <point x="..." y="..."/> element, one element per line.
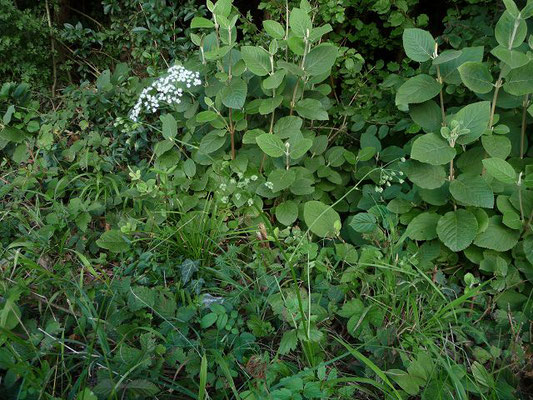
<point x="296" y="200"/>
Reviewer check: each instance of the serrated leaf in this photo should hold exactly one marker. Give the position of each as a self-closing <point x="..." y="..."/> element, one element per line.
<point x="281" y="179"/>
<point x="300" y="22"/>
<point x="234" y="95"/>
<point x="418" y="89"/>
<point x="311" y="109"/>
<point x="428" y="115"/>
<point x="476" y="77"/>
<point x="497" y="236"/>
<point x="423" y="226"/>
<point x="507" y="34"/>
<point x="257" y="60"/>
<point x="363" y="223"/>
<point x="472" y="190"/>
<point x="426" y="176"/>
<point x="500" y="170"/>
<point x="519" y="81"/>
<point x="474" y="117"/>
<point x="270" y="144"/>
<point x="274" y="29"/>
<point x="320" y="59"/>
<point x="418" y="44"/>
<point x="457" y="229"/>
<point x="497" y="146"/>
<point x="513" y="58"/>
<point x="432" y="149"/>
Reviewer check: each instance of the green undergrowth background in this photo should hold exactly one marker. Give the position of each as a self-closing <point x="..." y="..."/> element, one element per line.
<point x="341" y="209"/>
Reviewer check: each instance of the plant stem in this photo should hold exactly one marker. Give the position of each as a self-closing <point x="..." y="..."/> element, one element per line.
<point x="523" y="129"/>
<point x="53" y="50"/>
<point x="441" y="97"/>
<point x="232" y="135"/>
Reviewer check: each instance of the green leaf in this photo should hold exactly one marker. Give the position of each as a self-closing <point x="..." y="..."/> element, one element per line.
<point x="274" y="80"/>
<point x="418" y="89"/>
<point x="405" y="381"/>
<point x="271" y="144"/>
<point x="300" y="22"/>
<point x="363" y="223"/>
<point x="432" y="149"/>
<point x="321" y="219"/>
<point x="474" y="117"/>
<point x="234" y="95"/>
<point x="448" y="70"/>
<point x="418" y="44"/>
<point x="423" y="226"/>
<point x="519" y="81"/>
<point x="286" y="126"/>
<point x="206" y="116"/>
<point x="500" y="170"/>
<point x="208" y="320"/>
<point x="497" y="236"/>
<point x="447" y="56"/>
<point x="274" y="29"/>
<point x="281" y="179"/>
<point x="211" y="142"/>
<point x="497" y="146"/>
<point x="425" y="176"/>
<point x="200" y="22"/>
<point x="311" y="109"/>
<point x="507" y="33"/>
<point x="299" y="146"/>
<point x="269" y="104"/>
<point x="472" y="190"/>
<point x="320" y="59"/>
<point x="257" y="60"/>
<point x="476" y="77"/>
<point x="287" y="212"/>
<point x="457" y="229"/>
<point x="513" y="58"/>
<point x="114" y="241"/>
<point x="428" y="115"/>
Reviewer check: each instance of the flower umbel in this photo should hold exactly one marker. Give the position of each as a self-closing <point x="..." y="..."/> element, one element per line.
<point x="167" y="89"/>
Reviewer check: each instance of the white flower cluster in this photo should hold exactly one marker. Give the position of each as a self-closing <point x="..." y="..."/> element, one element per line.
<point x="165" y="90"/>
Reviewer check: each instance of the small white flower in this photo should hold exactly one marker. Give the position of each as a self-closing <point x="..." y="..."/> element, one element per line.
<point x="401" y="181"/>
<point x="224" y="199"/>
<point x="253" y="177"/>
<point x="237" y="196"/>
<point x="250" y="202"/>
<point x="223" y="186"/>
<point x="232" y="181"/>
<point x="402" y="159"/>
<point x="269" y="185"/>
<point x="240" y="175"/>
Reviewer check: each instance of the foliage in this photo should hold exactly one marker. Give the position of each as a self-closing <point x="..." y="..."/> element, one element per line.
<point x="281" y="219"/>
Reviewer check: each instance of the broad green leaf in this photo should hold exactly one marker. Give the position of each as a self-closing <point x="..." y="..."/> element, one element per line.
<point x="363" y="223"/>
<point x="513" y="58"/>
<point x="200" y="22"/>
<point x="234" y="95"/>
<point x="287" y="212"/>
<point x="519" y="81"/>
<point x="320" y="59"/>
<point x="474" y="117"/>
<point x="497" y="146"/>
<point x="286" y="126"/>
<point x="425" y="176"/>
<point x="448" y="70"/>
<point x="311" y="109"/>
<point x="208" y="320"/>
<point x="405" y="381"/>
<point x="274" y="80"/>
<point x="428" y="115"/>
<point x="423" y="226"/>
<point x="274" y="29"/>
<point x="446" y="56"/>
<point x="170" y="126"/>
<point x="457" y="229"/>
<point x="299" y="146"/>
<point x="418" y="44"/>
<point x="206" y="116"/>
<point x="281" y="179"/>
<point x="476" y="77"/>
<point x="114" y="241"/>
<point x="497" y="236"/>
<point x="257" y="60"/>
<point x="472" y="190"/>
<point x="511" y="7"/>
<point x="211" y="142"/>
<point x="432" y="149"/>
<point x="300" y="22"/>
<point x="271" y="144"/>
<point x="418" y="89"/>
<point x="269" y="104"/>
<point x="321" y="219"/>
<point x="510" y="32"/>
<point x="500" y="170"/>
